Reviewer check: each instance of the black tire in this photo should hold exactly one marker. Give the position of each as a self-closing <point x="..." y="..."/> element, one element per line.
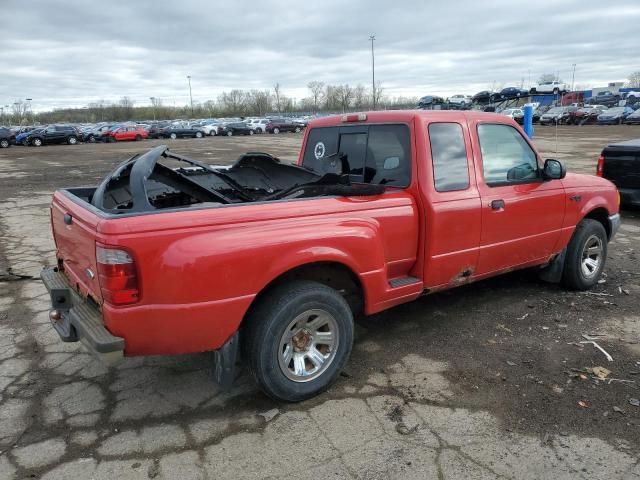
<point x="574" y="276"/>
<point x="297" y="129"/>
<point x="4" y="143"/>
<point x="267" y="324"/>
<point x="72" y="140"/>
<point x="199" y="135"/>
<point x="276" y="130"/>
<point x="229" y="133"/>
<point x="556" y="91"/>
<point x="173" y="136"/>
<point x="138" y="138"/>
<point x="91" y="139"/>
<point x="37" y="142"/>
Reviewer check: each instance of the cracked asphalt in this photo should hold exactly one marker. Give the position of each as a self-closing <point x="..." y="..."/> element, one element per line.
<point x="479" y="382"/>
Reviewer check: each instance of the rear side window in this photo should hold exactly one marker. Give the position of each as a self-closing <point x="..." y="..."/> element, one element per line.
<point x="506" y="157"/>
<point x="377" y="154"/>
<point x="449" y="157"/>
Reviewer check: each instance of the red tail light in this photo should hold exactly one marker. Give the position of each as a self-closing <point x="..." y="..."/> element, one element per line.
<point x="117" y="275"/>
<point x="600" y="167"/>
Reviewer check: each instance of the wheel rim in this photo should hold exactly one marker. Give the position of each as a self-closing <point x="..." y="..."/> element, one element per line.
<point x="72" y="141"/>
<point x="308" y="345"/>
<point x="173" y="136"/>
<point x="229" y="134"/>
<point x="37" y="142"/>
<point x="275" y="130"/>
<point x="591" y="256"/>
<point x="4" y="144"/>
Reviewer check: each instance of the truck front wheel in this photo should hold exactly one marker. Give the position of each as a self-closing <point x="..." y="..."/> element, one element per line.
<point x="298" y="338"/>
<point x="586" y="255"/>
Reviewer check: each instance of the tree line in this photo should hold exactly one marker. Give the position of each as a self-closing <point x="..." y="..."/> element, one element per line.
<point x="234" y="103"/>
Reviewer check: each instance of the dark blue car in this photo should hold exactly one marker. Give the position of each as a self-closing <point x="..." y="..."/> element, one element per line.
<point x="513" y="92"/>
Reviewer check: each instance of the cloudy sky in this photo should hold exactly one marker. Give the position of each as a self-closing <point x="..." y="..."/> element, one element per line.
<point x="71" y="53"/>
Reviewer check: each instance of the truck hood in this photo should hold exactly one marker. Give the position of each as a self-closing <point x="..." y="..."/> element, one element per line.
<point x="581" y="180"/>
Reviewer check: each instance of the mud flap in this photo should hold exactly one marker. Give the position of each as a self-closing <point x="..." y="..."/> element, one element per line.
<point x="224" y="363"/>
<point x="552" y="273"/>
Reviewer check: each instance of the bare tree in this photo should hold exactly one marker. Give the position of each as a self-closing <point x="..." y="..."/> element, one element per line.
<point x="548" y="78"/>
<point x="378" y="92"/>
<point x="126" y="108"/>
<point x="359" y="96"/>
<point x="278" y="94"/>
<point x="345" y="96"/>
<point x="19" y="109"/>
<point x="317" y="90"/>
<point x="233" y="102"/>
<point x="259" y="101"/>
<point x="634" y="80"/>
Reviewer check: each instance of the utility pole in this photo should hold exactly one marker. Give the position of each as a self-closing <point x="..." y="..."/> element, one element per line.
<point x="28" y="108"/>
<point x="153" y="104"/>
<point x="373" y="71"/>
<point x="573" y="76"/>
<point x="190" y="97"/>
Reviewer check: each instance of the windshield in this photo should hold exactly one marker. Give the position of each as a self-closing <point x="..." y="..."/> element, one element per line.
<point x="614" y="111"/>
<point x="556" y="110"/>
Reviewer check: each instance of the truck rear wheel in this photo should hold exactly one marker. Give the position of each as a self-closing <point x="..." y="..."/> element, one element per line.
<point x="586" y="255"/>
<point x="298" y="338"/>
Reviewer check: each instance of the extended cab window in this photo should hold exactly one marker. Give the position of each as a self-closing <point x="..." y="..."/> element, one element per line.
<point x="449" y="157"/>
<point x="377" y="154"/>
<point x="506" y="157"/>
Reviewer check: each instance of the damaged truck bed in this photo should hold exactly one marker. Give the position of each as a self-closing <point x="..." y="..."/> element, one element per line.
<point x="161" y="179"/>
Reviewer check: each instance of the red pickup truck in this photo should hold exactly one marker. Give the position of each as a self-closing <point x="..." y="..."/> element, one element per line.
<point x="272" y="261"/>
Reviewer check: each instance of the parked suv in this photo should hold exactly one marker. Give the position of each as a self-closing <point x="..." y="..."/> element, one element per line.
<point x="53" y="134"/>
<point x="277" y="125"/>
<point x="235" y="128"/>
<point x="606" y="98"/>
<point x="557" y="115"/>
<point x="550" y="87"/>
<point x="258" y="125"/>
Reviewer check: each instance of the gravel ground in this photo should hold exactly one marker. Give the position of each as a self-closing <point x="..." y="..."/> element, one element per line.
<point x="488" y="380"/>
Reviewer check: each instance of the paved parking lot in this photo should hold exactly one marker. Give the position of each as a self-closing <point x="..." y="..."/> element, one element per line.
<point x="486" y="381"/>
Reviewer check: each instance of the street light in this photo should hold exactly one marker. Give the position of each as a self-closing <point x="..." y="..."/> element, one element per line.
<point x="573" y="76"/>
<point x="28" y="109"/>
<point x="373" y="71"/>
<point x="153" y="104"/>
<point x="190" y="97"/>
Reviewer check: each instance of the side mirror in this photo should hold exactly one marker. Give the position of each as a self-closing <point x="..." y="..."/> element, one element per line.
<point x="553" y="169"/>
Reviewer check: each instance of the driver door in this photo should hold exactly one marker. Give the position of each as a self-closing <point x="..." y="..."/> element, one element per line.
<point x="521" y="214"/>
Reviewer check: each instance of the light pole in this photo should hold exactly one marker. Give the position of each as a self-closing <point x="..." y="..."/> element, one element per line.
<point x="153" y="104"/>
<point x="18" y="108"/>
<point x="373" y="71"/>
<point x="573" y="76"/>
<point x="190" y="97"/>
<point x="28" y="108"/>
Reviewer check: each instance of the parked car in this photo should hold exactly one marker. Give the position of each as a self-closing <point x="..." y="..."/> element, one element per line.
<point x="632" y="97"/>
<point x="140" y="271"/>
<point x="460" y="100"/>
<point x="258" y="125"/>
<point x="586" y="115"/>
<point x="633" y="118"/>
<point x="557" y="115"/>
<point x="606" y="98"/>
<point x="20" y="138"/>
<point x="278" y="125"/>
<point x="53" y="134"/>
<point x="550" y="87"/>
<point x="181" y="130"/>
<point x="513" y="92"/>
<point x="614" y="116"/>
<point x="575" y="99"/>
<point x="235" y="128"/>
<point x="210" y="129"/>
<point x="7" y="137"/>
<point x="620" y="163"/>
<point x="484" y="96"/>
<point x="514" y="113"/>
<point x="127" y="132"/>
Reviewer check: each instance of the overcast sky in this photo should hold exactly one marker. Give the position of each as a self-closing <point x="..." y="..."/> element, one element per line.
<point x="71" y="53"/>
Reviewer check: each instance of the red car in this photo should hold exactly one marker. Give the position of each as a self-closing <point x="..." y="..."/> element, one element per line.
<point x="124" y="133"/>
<point x="382" y="208"/>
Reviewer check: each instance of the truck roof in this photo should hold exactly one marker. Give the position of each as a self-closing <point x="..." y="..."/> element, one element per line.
<point x="635" y="143"/>
<point x="388" y="116"/>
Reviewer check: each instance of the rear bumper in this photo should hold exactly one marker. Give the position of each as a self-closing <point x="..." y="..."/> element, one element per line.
<point x="614" y="224"/>
<point x="78" y="320"/>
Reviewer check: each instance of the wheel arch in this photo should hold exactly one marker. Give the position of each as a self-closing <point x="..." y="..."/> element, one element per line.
<point x="333" y="274"/>
<point x="601" y="215"/>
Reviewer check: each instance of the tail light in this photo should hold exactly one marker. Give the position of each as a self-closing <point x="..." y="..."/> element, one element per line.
<point x="117" y="275"/>
<point x="358" y="117"/>
<point x="600" y="167"/>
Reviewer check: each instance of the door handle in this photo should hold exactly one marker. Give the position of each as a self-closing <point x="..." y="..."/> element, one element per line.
<point x="497" y="204"/>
